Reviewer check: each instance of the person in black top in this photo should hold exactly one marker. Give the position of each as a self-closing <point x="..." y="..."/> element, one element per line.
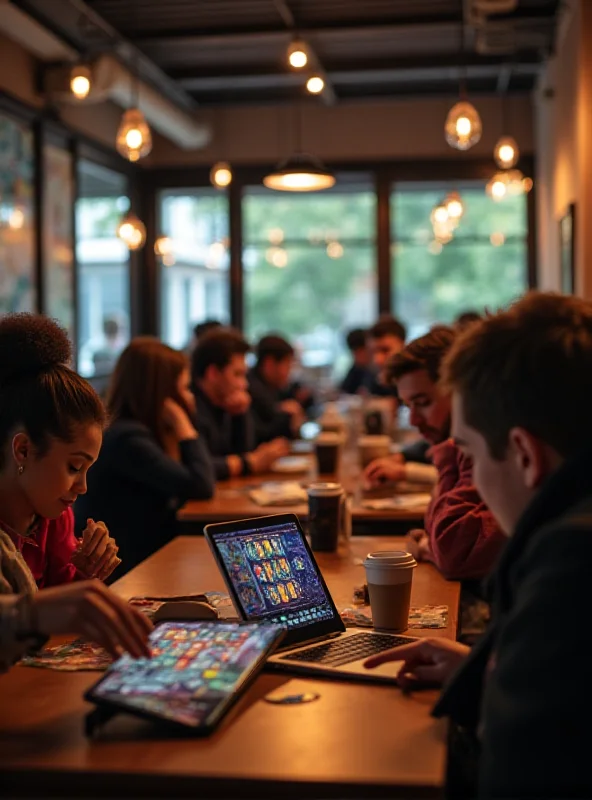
<point x="152" y="459"/>
<point x="273" y="416"/>
<point x="359" y="374"/>
<point x="219" y="382"/>
<point x="521" y="384"/>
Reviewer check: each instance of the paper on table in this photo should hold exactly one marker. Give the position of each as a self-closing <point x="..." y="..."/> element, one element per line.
<point x="279" y="494"/>
<point x="419" y="500"/>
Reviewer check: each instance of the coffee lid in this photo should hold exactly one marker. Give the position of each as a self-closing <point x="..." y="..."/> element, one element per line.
<point x="390" y="558"/>
<point x="329" y="437"/>
<point x="325" y="489"/>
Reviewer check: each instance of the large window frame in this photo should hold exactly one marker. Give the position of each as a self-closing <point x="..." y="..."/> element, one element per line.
<point x="385" y="176"/>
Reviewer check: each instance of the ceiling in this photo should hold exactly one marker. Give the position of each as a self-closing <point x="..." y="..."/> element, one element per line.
<point x="221" y="52"/>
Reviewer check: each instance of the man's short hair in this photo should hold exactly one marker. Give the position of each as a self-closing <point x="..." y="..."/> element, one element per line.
<point x="275" y="347"/>
<point x="427" y="353"/>
<point x="204" y="327"/>
<point x="356" y="339"/>
<point x="388" y="326"/>
<point x="528" y="367"/>
<point x="217" y="348"/>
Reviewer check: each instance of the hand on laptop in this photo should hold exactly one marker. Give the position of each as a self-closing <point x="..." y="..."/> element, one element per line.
<point x="426" y="662"/>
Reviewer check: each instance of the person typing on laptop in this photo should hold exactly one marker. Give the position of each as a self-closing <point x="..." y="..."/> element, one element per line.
<point x="521" y="384"/>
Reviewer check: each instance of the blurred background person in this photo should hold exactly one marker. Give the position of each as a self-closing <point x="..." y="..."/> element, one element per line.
<point x="152" y="459"/>
<point x="359" y="374"/>
<point x="385" y="339"/>
<point x="272" y="415"/>
<point x="219" y="382"/>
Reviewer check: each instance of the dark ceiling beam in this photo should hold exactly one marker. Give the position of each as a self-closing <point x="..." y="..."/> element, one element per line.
<point x="64" y="18"/>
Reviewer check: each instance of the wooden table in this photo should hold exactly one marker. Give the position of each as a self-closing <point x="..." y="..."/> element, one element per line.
<point x="232" y="501"/>
<point x="357" y="740"/>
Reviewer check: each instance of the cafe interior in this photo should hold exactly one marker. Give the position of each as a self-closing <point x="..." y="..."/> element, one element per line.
<point x="298" y="169"/>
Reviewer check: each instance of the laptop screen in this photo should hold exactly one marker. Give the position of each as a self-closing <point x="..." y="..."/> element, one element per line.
<point x="273" y="575"/>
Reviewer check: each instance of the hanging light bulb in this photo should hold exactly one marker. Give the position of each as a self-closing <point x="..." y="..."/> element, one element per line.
<point x="132" y="231"/>
<point x="300" y="173"/>
<point x="163" y="246"/>
<point x="439" y="215"/>
<point x="315" y="84"/>
<point x="297" y="54"/>
<point x="454" y="206"/>
<point x="134" y="140"/>
<point x="80" y="81"/>
<point x="497" y="186"/>
<point x="221" y="175"/>
<point x="463" y="126"/>
<point x="506" y="153"/>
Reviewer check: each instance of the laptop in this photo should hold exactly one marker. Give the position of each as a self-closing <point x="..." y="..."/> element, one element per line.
<point x="272" y="576"/>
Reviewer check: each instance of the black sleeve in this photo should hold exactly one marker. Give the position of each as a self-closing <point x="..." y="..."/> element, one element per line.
<point x="141" y="459"/>
<point x="537" y="706"/>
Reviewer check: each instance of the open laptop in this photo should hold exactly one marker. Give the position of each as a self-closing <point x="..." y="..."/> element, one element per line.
<point x="272" y="576"/>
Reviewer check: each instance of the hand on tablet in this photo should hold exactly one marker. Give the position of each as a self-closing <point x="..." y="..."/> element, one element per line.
<point x="426" y="662"/>
<point x="91" y="610"/>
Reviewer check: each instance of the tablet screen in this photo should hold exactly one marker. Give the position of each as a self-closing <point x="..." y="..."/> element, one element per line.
<point x="195" y="671"/>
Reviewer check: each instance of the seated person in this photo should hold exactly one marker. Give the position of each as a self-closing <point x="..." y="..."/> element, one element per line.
<point x="51" y="427"/>
<point x="521" y="399"/>
<point x="273" y="416"/>
<point x="359" y="374"/>
<point x="385" y="339"/>
<point x="219" y="382"/>
<point x="152" y="459"/>
<point x="461" y="536"/>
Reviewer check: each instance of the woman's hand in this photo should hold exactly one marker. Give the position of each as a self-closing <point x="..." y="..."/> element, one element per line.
<point x="426" y="662"/>
<point x="91" y="610"/>
<point x="177" y="419"/>
<point x="96" y="556"/>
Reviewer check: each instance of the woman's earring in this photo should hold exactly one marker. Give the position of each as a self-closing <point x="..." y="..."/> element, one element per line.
<point x="21" y="469"/>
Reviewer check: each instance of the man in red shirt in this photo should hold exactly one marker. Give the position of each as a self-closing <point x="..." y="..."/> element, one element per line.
<point x="461" y="536"/>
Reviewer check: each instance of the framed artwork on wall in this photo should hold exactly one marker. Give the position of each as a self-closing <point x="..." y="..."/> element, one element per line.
<point x="17" y="232"/>
<point x="567" y="245"/>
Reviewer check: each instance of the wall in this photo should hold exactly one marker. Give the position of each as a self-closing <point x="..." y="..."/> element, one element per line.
<point x="18" y="77"/>
<point x="371" y="130"/>
<point x="563" y="127"/>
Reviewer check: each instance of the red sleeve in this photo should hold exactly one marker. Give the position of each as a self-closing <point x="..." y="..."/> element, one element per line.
<point x="60" y="544"/>
<point x="465" y="539"/>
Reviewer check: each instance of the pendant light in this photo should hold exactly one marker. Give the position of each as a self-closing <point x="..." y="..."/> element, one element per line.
<point x="463" y="126"/>
<point x="301" y="172"/>
<point x="80" y="81"/>
<point x="134" y="139"/>
<point x="505" y="152"/>
<point x="221" y="172"/>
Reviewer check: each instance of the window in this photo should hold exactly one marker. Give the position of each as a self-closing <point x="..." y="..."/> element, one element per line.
<point x="484" y="266"/>
<point x="17" y="235"/>
<point x="310" y="268"/>
<point x="194" y="269"/>
<point x="103" y="269"/>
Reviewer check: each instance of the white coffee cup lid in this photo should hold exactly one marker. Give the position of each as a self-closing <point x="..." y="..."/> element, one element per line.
<point x="390" y="558"/>
<point x="325" y="489"/>
<point x="329" y="437"/>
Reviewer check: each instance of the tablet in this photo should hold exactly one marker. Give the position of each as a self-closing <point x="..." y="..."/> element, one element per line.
<point x="197" y="671"/>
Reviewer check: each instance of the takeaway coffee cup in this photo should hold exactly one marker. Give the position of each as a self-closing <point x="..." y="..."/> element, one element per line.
<point x="372" y="447"/>
<point x="328" y="446"/>
<point x="327" y="510"/>
<point x="389" y="574"/>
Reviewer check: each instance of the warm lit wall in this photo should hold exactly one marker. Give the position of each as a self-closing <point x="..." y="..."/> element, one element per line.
<point x="405" y="129"/>
<point x="563" y="123"/>
<point x="18" y="78"/>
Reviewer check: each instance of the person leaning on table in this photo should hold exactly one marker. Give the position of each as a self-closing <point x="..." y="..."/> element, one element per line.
<point x="521" y="384"/>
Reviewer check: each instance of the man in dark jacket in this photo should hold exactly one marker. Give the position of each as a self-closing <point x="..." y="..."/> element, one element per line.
<point x="521" y="384"/>
<point x="219" y="382"/>
<point x="272" y="415"/>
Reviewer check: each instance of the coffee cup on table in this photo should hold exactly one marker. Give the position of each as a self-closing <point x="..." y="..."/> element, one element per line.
<point x="328" y="445"/>
<point x="389" y="574"/>
<point x="328" y="516"/>
<point x="373" y="447"/>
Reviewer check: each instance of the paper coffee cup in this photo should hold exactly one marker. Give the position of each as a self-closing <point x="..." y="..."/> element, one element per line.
<point x="373" y="447"/>
<point x="389" y="574"/>
<point x="328" y="446"/>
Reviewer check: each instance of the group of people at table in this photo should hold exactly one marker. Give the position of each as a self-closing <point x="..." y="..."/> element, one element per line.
<point x="88" y="489"/>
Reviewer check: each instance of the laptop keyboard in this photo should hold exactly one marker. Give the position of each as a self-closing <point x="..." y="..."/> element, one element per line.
<point x="347" y="649"/>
